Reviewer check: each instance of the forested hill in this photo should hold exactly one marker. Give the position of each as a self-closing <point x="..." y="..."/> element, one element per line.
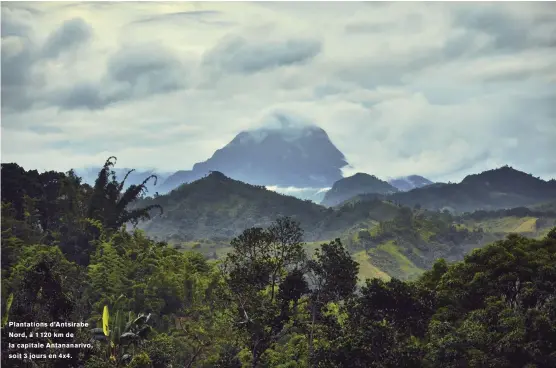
<point x="220" y="207"/>
<point x="501" y="188"/>
<point x="68" y="257"/>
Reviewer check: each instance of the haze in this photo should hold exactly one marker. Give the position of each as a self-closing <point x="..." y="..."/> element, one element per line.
<point x="435" y="89"/>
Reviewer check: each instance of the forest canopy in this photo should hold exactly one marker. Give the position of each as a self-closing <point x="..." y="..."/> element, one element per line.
<point x="69" y="254"/>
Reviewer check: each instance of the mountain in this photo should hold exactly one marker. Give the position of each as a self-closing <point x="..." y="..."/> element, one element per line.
<point x="355" y="185"/>
<point x="407" y="183"/>
<point x="285" y="155"/>
<point x="90" y="174"/>
<point x="500" y="188"/>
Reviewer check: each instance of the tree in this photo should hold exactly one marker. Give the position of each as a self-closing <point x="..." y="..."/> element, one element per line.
<point x="109" y="205"/>
<point x="260" y="261"/>
<point x="334" y="277"/>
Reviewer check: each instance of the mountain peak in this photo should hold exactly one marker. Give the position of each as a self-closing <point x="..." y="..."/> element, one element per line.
<point x="360" y="183"/>
<point x="282" y="126"/>
<point x="502" y="173"/>
<point x="286" y="122"/>
<point x="216" y="175"/>
<point x="406" y="183"/>
<point x="284" y="152"/>
<point x="361" y="176"/>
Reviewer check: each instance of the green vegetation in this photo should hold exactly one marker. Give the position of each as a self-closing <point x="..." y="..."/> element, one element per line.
<point x="366" y="268"/>
<point x="496" y="189"/>
<point x="271" y="300"/>
<point x="217" y="208"/>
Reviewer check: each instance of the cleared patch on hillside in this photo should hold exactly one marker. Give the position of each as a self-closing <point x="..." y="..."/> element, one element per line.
<point x="387" y="257"/>
<point x="527" y="226"/>
<point x="366" y="269"/>
<point x="505" y="225"/>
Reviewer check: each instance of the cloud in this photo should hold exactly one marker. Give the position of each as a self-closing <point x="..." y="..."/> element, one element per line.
<point x="149" y="68"/>
<point x="201" y="16"/>
<point x="238" y="55"/>
<point x="23" y="58"/>
<point x="132" y="72"/>
<point x="71" y="34"/>
<point x="14" y="22"/>
<point x="440" y="90"/>
<point x="509" y="31"/>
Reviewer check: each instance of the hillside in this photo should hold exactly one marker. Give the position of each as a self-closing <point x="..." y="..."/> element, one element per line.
<point x="389" y="239"/>
<point x="284" y="154"/>
<point x="218" y="207"/>
<point x="61" y="239"/>
<point x="357" y="184"/>
<point x="386" y="238"/>
<point x="500" y="188"/>
<point x="410" y="241"/>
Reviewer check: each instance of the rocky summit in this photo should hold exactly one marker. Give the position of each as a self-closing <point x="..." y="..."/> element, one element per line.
<point x="285" y="153"/>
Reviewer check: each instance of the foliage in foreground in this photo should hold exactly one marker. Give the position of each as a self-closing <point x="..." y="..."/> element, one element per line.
<point x="266" y="304"/>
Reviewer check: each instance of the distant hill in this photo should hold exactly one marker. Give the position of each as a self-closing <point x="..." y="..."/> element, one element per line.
<point x="357" y="184"/>
<point x="283" y="155"/>
<point x="217" y="206"/>
<point x="500" y="188"/>
<point x="387" y="239"/>
<point x="407" y="183"/>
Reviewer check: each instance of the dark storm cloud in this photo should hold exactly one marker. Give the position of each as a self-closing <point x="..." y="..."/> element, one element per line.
<point x="72" y="33"/>
<point x="132" y="72"/>
<point x="236" y="54"/>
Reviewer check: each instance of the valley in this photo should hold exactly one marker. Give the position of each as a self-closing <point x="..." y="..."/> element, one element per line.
<point x="386" y="238"/>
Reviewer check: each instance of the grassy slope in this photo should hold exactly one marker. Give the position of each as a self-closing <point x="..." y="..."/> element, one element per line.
<point x="366" y="269"/>
<point x="511" y="224"/>
<point x="388" y="258"/>
<point x="503" y="224"/>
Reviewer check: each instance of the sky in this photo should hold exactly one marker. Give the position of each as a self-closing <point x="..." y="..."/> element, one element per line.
<point x="436" y="89"/>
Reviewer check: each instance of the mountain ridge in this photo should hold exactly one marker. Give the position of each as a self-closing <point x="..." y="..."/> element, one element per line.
<point x="359" y="183"/>
<point x="498" y="188"/>
<point x="406" y="183"/>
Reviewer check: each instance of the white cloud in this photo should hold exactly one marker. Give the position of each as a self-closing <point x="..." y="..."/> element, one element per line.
<point x="436" y="89"/>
